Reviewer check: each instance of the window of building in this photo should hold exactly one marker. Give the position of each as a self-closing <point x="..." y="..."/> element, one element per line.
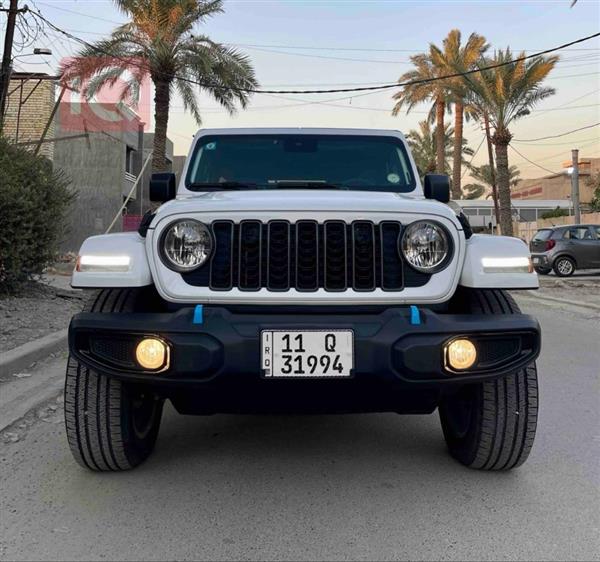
<point x="130" y="152"/>
<point x="528" y="215"/>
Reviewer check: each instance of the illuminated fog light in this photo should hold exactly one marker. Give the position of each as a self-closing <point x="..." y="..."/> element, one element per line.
<point x="521" y="264"/>
<point x="151" y="354"/>
<point x="92" y="263"/>
<point x="461" y="354"/>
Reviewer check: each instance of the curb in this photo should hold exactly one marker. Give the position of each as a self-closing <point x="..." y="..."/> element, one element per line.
<point x="20" y="358"/>
<point x="562" y="301"/>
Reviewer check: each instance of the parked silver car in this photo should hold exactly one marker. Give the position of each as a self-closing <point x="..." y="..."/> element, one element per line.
<point x="566" y="248"/>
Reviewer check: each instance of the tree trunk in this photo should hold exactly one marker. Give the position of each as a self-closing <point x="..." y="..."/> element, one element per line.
<point x="503" y="180"/>
<point x="162" y="97"/>
<point x="486" y="121"/>
<point x="457" y="155"/>
<point x="440" y="137"/>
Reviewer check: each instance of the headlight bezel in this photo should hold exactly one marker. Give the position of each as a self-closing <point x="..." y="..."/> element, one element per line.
<point x="166" y="260"/>
<point x="443" y="264"/>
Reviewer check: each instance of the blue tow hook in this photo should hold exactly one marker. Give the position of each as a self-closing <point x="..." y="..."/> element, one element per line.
<point x="415" y="316"/>
<point x="198" y="315"/>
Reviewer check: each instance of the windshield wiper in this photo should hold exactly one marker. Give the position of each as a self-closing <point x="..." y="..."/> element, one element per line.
<point x="312" y="184"/>
<point x="222" y="185"/>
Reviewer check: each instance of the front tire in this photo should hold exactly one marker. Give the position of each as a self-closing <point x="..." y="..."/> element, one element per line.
<point x="110" y="425"/>
<point x="492" y="425"/>
<point x="542" y="270"/>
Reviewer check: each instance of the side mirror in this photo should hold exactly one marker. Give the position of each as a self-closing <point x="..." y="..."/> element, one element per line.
<point x="437" y="186"/>
<point x="162" y="187"/>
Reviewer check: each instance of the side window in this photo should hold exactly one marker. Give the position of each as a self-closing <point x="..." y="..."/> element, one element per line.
<point x="581" y="233"/>
<point x="597" y="229"/>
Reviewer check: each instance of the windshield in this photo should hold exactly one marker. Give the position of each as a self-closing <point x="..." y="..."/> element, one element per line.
<point x="369" y="163"/>
<point x="542" y="235"/>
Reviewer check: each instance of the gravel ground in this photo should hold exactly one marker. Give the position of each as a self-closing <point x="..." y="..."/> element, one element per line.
<point x="37" y="311"/>
<point x="582" y="286"/>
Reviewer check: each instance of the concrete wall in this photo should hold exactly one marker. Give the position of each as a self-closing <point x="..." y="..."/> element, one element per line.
<point x="96" y="172"/>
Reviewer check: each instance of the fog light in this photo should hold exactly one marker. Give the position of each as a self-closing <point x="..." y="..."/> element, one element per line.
<point x="151" y="353"/>
<point x="461" y="354"/>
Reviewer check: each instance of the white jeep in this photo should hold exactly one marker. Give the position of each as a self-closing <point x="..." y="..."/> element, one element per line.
<point x="302" y="271"/>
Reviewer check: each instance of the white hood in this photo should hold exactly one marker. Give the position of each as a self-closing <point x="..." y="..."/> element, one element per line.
<point x="304" y="201"/>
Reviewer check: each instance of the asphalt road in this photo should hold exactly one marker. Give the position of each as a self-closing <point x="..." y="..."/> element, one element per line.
<point x="341" y="487"/>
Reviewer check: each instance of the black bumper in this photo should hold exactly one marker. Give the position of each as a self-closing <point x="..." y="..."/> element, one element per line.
<point x="219" y="360"/>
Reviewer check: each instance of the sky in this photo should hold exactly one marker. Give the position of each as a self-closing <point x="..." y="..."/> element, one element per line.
<point x="341" y="43"/>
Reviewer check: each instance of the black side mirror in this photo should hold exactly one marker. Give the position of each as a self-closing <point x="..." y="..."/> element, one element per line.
<point x="162" y="187"/>
<point x="437" y="186"/>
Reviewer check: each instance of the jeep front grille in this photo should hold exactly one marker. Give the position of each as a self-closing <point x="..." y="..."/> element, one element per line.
<point x="306" y="256"/>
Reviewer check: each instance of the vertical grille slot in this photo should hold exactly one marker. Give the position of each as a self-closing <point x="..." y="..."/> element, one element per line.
<point x="250" y="254"/>
<point x="278" y="260"/>
<point x="221" y="266"/>
<point x="307" y="256"/>
<point x="391" y="266"/>
<point x="363" y="244"/>
<point x="335" y="256"/>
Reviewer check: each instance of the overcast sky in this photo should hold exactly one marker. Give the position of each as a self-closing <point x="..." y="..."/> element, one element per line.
<point x="352" y="42"/>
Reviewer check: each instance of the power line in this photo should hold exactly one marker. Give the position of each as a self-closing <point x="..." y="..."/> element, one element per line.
<point x="532" y="162"/>
<point x="468" y="166"/>
<point x="558" y="135"/>
<point x="338" y="90"/>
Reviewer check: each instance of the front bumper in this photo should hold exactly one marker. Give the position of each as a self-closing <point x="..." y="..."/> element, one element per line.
<point x="220" y="361"/>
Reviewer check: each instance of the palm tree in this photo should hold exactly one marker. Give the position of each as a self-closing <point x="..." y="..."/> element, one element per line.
<point x="414" y="94"/>
<point x="160" y="39"/>
<point x="454" y="58"/>
<point x="423" y="146"/>
<point x="484" y="181"/>
<point x="507" y="93"/>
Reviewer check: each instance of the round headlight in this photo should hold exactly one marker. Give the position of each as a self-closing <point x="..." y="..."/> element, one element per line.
<point x="425" y="246"/>
<point x="186" y="245"/>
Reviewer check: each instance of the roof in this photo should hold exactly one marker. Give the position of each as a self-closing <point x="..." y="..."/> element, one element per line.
<point x="298" y="131"/>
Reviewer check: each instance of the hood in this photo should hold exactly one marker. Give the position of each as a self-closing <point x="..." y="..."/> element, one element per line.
<point x="304" y="200"/>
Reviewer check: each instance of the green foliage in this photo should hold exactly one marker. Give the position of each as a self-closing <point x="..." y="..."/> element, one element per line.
<point x="558" y="212"/>
<point x="594" y="183"/>
<point x="423" y="147"/>
<point x="34" y="199"/>
<point x="473" y="191"/>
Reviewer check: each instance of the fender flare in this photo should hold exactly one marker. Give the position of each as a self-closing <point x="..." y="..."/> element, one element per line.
<point x="112" y="260"/>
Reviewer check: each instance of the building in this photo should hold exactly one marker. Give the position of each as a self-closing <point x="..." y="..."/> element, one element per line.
<point x="558" y="186"/>
<point x="31" y="99"/>
<point x="103" y="168"/>
<point x="480" y="212"/>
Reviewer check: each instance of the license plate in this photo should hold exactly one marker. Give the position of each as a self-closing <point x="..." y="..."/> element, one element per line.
<point x="307" y="353"/>
<point x="536" y="260"/>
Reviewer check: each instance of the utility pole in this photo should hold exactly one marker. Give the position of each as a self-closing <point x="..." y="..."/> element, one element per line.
<point x="575" y="185"/>
<point x="6" y="69"/>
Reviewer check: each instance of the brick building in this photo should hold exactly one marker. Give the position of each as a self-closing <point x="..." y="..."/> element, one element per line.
<point x="31" y="98"/>
<point x="558" y="186"/>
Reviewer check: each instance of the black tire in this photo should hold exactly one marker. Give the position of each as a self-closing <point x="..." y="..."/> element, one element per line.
<point x="492" y="425"/>
<point x="111" y="426"/>
<point x="564" y="266"/>
<point x="542" y="270"/>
